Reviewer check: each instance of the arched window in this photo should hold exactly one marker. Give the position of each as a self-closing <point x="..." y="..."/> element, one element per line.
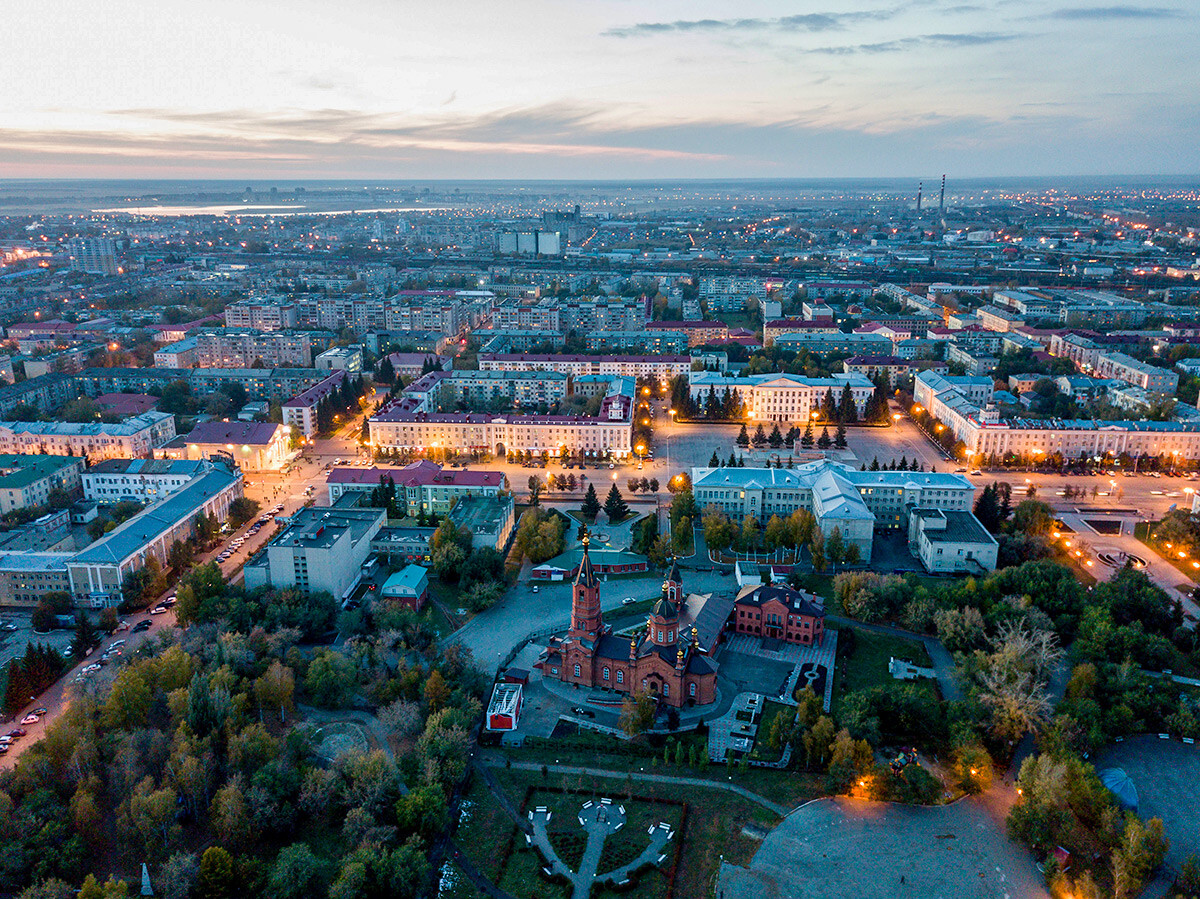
<point x="578" y="671"/>
<point x="620" y="676"/>
<point x="666" y="689"/>
<point x="660" y="639"/>
<point x="606" y="672"/>
<point x="691" y="689"/>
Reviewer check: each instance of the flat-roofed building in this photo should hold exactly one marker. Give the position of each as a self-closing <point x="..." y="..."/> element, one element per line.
<point x="661" y="367"/>
<point x="489" y="519"/>
<point x="181" y="354"/>
<point x="1125" y="368"/>
<point x="341" y="358"/>
<point x="779" y="397"/>
<point x="421" y="485"/>
<point x="26" y="577"/>
<point x="233" y="348"/>
<point x="320" y="550"/>
<point x="951" y="542"/>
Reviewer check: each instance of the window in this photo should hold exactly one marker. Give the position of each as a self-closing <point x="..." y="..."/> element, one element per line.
<point x="578" y="672"/>
<point x="606" y="672"/>
<point x="666" y="689"/>
<point x="620" y="677"/>
<point x="691" y="689"/>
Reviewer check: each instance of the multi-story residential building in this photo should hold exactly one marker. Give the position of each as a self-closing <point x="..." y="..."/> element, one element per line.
<point x="854" y="502"/>
<point x="602" y="314"/>
<point x="414" y="341"/>
<point x="141" y="480"/>
<point x="93" y="255"/>
<point x="262" y="314"/>
<point x="698" y="333"/>
<point x="229" y="348"/>
<point x="421" y="485"/>
<point x="26" y="481"/>
<point x="835" y="343"/>
<point x="47" y="393"/>
<point x="98" y="572"/>
<point x="1125" y="368"/>
<point x="780" y="397"/>
<point x="858" y="290"/>
<point x="973" y="361"/>
<point x="440" y="391"/>
<point x="994" y="318"/>
<point x="300" y="412"/>
<point x="514" y="315"/>
<point x="732" y="285"/>
<point x="132" y="438"/>
<point x="181" y="354"/>
<point x="783" y="327"/>
<point x="610" y="432"/>
<point x="260" y="383"/>
<point x="320" y="550"/>
<point x="647" y="341"/>
<point x="660" y="368"/>
<point x="1080" y="349"/>
<point x="896" y="368"/>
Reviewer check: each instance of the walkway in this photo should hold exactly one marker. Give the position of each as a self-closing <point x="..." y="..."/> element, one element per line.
<point x="658" y="778"/>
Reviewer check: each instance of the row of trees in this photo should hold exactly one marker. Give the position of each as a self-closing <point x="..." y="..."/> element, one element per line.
<point x="338" y="402"/>
<point x="614" y="506"/>
<point x="796" y="532"/>
<point x="477" y="570"/>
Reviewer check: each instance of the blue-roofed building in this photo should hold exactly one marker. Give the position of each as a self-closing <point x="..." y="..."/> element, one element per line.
<point x="409" y="586"/>
<point x="97" y="573"/>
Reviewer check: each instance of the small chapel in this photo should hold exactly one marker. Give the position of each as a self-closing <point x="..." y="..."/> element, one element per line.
<point x="668" y="660"/>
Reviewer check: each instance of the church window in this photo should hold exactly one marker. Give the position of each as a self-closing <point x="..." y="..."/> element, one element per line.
<point x="670" y="636"/>
<point x="620" y="677"/>
<point x="660" y="639"/>
<point x="606" y="672"/>
<point x="666" y="689"/>
<point x="578" y="671"/>
<point x="691" y="689"/>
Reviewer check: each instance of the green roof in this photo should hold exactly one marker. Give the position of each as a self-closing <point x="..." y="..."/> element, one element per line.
<point x="17" y="471"/>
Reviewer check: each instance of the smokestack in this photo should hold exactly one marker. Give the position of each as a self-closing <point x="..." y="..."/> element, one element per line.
<point x="942" y="199"/>
<point x="920" y="186"/>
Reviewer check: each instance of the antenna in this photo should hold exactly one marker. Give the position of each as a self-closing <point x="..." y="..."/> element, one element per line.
<point x="942" y="199"/>
<point x="920" y="186"/>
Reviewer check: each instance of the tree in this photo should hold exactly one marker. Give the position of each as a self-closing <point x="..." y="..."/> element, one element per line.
<point x="615" y="506"/>
<point x="436" y="691"/>
<point x="1033" y="517"/>
<point x="743" y="438"/>
<point x="591" y="504"/>
<point x="823" y="442"/>
<point x="297" y="873"/>
<point x="807" y="440"/>
<point x="847" y="409"/>
<point x="840" y="439"/>
<point x="276" y="689"/>
<point x="835" y="548"/>
<point x="330" y="679"/>
<point x="637" y="713"/>
<point x="775" y="439"/>
<point x="241" y="510"/>
<point x="386" y="373"/>
<point x="535" y="489"/>
<point x="760" y="437"/>
<point x="216" y="877"/>
<point x="987" y="508"/>
<point x="85" y="635"/>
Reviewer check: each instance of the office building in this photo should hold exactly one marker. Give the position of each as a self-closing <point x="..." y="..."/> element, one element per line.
<point x="779" y="397"/>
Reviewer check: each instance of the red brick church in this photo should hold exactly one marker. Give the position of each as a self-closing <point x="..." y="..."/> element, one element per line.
<point x="666" y="660"/>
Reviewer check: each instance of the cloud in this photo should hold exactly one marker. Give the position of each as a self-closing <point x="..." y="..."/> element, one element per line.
<point x="1106" y="13"/>
<point x="968" y="39"/>
<point x="805" y="22"/>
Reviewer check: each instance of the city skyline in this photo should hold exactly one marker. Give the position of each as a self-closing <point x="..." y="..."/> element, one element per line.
<point x="602" y="90"/>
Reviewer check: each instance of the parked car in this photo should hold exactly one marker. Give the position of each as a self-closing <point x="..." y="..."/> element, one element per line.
<point x="115" y="644"/>
<point x="31" y="719"/>
<point x="158" y="610"/>
<point x="90" y="669"/>
<point x="8" y="626"/>
<point x="535" y="588"/>
<point x="143" y="625"/>
<point x="586" y="713"/>
<point x="628" y="601"/>
<point x="16" y="733"/>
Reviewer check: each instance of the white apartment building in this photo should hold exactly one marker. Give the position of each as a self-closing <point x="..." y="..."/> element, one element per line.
<point x="661" y="368"/>
<point x="228" y="348"/>
<point x="261" y="314"/>
<point x="1125" y="368"/>
<point x="134" y="438"/>
<point x="181" y="354"/>
<point x="781" y="397"/>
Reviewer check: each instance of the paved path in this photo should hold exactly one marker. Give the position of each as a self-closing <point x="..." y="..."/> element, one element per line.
<point x="832" y="848"/>
<point x="658" y="778"/>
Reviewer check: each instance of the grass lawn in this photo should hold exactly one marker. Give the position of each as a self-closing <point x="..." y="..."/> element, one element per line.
<point x="483" y="831"/>
<point x="867" y="665"/>
<point x="763" y="751"/>
<point x="713" y="830"/>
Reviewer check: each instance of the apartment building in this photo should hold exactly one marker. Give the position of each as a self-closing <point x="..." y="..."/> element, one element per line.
<point x="835" y="343"/>
<point x="231" y="348"/>
<point x="1125" y="368"/>
<point x="27" y="480"/>
<point x="261" y="314"/>
<point x="181" y="354"/>
<point x="660" y="368"/>
<point x="783" y="327"/>
<point x="133" y="438"/>
<point x="698" y="333"/>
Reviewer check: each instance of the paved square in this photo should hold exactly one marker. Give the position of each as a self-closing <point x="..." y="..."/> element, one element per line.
<point x="834" y="848"/>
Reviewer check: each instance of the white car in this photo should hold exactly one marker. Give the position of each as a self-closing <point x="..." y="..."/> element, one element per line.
<point x="90" y="669"/>
<point x="158" y="610"/>
<point x="31" y="719"/>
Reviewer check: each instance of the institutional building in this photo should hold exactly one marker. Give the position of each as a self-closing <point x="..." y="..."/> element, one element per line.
<point x="97" y="573"/>
<point x="132" y="438"/>
<point x="983" y="433"/>
<point x="254" y="446"/>
<point x="139" y="480"/>
<point x="777" y="612"/>
<point x="855" y="502"/>
<point x="420" y="486"/>
<point x="780" y="397"/>
<point x="666" y="660"/>
<point x="26" y="577"/>
<point x="320" y="550"/>
<point x="949" y="542"/>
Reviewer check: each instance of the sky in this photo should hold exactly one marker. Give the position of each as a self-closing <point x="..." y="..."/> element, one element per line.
<point x="598" y="89"/>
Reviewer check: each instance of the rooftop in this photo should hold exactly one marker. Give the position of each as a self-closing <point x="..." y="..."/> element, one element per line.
<point x="406" y="579"/>
<point x="319" y="528"/>
<point x="959" y="527"/>
<point x="18" y="470"/>
<point x="126" y="428"/>
<point x="481" y="514"/>
<point x="245" y="433"/>
<point x="416" y="473"/>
